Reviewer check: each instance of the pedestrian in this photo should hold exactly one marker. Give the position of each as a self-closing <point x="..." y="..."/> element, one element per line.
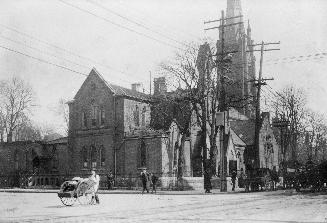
<point x="154" y="180"/>
<point x="234" y="174"/>
<point x="274" y="177"/>
<point x="96" y="181"/>
<point x="145" y="177"/>
<point x="241" y="179"/>
<point x="207" y="177"/>
<point x="110" y="180"/>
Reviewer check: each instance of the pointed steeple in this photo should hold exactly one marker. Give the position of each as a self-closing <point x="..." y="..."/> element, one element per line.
<point x="234" y="9"/>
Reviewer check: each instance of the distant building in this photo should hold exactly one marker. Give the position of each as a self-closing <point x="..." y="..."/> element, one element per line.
<point x="27" y="163"/>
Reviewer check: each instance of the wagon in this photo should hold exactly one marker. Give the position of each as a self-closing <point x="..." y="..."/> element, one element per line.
<point x="258" y="178"/>
<point x="77" y="189"/>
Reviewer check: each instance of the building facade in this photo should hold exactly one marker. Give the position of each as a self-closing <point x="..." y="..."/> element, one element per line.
<point x="34" y="164"/>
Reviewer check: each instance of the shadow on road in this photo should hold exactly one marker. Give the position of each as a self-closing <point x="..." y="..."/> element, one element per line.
<point x="306" y="193"/>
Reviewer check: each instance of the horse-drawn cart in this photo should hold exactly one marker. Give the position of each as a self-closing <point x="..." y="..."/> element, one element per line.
<point x="78" y="189"/>
<point x="259" y="178"/>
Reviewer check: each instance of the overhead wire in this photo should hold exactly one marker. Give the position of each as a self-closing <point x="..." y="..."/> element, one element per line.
<point x="134" y="22"/>
<point x="42" y="60"/>
<point x="119" y="25"/>
<point x="156" y="24"/>
<point x="64" y="50"/>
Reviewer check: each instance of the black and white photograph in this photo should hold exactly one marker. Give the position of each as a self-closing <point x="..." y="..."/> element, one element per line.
<point x="163" y="111"/>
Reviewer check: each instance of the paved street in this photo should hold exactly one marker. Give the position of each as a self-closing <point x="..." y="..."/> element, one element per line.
<point x="165" y="207"/>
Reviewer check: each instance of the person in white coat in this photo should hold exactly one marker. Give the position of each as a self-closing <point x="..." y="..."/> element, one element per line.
<point x="96" y="179"/>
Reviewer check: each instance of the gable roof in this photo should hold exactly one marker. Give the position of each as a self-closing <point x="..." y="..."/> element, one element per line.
<point x="245" y="129"/>
<point x="121" y="91"/>
<point x="118" y="90"/>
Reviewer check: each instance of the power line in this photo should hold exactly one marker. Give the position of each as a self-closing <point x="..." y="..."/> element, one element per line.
<point x="119" y="25"/>
<point x="302" y="56"/>
<point x="47" y="62"/>
<point x="134" y="22"/>
<point x="53" y="55"/>
<point x="293" y="59"/>
<point x="43" y="61"/>
<point x="63" y="49"/>
<point x="149" y="22"/>
<point x="41" y="51"/>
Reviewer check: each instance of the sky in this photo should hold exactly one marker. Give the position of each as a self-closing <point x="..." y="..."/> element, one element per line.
<point x="57" y="41"/>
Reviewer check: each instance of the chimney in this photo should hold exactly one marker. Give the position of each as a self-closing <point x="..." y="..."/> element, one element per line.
<point x="160" y="86"/>
<point x="137" y="87"/>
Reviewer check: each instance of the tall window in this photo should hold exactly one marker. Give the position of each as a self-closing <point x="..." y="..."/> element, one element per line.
<point x="143" y="115"/>
<point x="55" y="159"/>
<point x="93" y="157"/>
<point x="102" y="116"/>
<point x="85" y="157"/>
<point x="84" y="119"/>
<point x="95" y="111"/>
<point x="142" y="154"/>
<point x="16" y="159"/>
<point x="137" y="116"/>
<point x="175" y="154"/>
<point x="102" y="156"/>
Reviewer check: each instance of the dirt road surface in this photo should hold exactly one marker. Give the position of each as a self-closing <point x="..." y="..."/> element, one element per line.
<point x="280" y="206"/>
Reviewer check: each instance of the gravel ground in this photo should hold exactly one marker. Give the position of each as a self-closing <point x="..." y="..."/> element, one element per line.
<point x="277" y="206"/>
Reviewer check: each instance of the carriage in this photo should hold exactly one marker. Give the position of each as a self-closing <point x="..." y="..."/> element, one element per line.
<point x="260" y="178"/>
<point x="77" y="189"/>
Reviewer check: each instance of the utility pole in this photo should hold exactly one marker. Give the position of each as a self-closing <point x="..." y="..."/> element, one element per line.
<point x="222" y="105"/>
<point x="258" y="84"/>
<point x="221" y="96"/>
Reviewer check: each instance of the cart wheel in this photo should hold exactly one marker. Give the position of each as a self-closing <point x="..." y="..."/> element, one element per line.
<point x="68" y="201"/>
<point x="84" y="194"/>
<point x="85" y="199"/>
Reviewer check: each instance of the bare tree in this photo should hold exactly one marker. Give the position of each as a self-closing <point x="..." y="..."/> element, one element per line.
<point x="27" y="130"/>
<point x="290" y="105"/>
<point x="314" y="137"/>
<point x="16" y="98"/>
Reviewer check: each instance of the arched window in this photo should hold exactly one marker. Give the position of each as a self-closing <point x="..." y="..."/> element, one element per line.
<point x="137" y="116"/>
<point x="143" y="115"/>
<point x="95" y="115"/>
<point x="102" y="156"/>
<point x="84" y="120"/>
<point x="93" y="157"/>
<point x="16" y="159"/>
<point x="85" y="159"/>
<point x="102" y="116"/>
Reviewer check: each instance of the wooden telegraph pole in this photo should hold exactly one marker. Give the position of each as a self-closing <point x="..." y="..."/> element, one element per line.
<point x="258" y="83"/>
<point x="221" y="95"/>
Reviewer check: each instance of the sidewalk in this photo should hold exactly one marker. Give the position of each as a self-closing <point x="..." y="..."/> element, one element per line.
<point x="159" y="192"/>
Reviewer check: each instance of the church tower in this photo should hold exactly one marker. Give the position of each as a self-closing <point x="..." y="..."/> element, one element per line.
<point x="242" y="68"/>
<point x="234" y="9"/>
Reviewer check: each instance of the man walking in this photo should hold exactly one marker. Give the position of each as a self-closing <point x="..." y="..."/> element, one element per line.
<point x="154" y="180"/>
<point x="110" y="179"/>
<point x="145" y="181"/>
<point x="96" y="180"/>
